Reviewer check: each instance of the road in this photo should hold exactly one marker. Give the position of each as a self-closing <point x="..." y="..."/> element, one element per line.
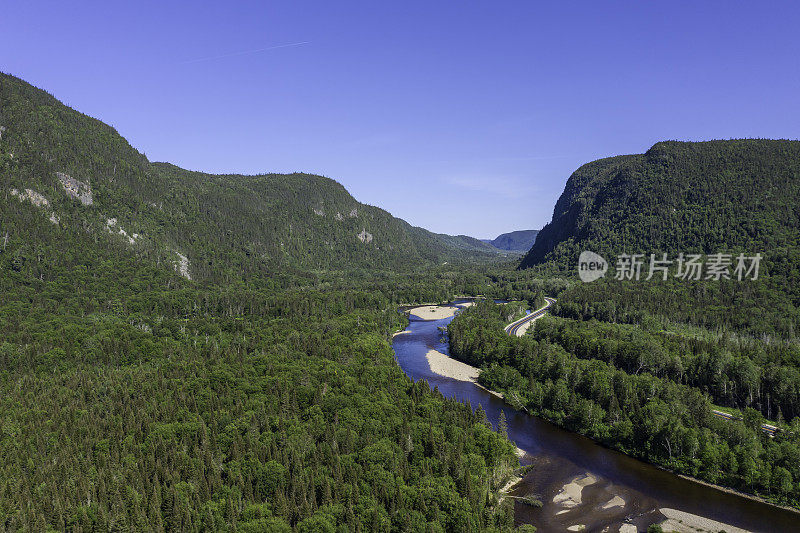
<point x="516" y="328"/>
<point x="769" y="429"/>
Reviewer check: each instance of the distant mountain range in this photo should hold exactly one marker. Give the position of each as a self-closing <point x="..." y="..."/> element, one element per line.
<point x="514" y="241"/>
<point x="64" y="174"/>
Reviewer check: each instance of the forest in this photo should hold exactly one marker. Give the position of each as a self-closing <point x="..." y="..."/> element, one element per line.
<point x="649" y="392"/>
<point x="182" y="351"/>
<point x="188" y="352"/>
<point x="133" y="398"/>
<point x="692" y="197"/>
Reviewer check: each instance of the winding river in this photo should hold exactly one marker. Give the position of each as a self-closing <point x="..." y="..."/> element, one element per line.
<point x="620" y="493"/>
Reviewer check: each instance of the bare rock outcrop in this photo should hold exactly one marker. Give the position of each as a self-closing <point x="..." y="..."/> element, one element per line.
<point x="364" y="236"/>
<point x="29" y="194"/>
<point x="76" y="189"/>
<point x="182" y="265"/>
<point x="113" y="228"/>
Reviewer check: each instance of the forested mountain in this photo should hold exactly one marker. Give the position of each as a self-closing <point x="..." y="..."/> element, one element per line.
<point x="705" y="197"/>
<point x="646" y="365"/>
<point x="515" y="241"/>
<point x="262" y="394"/>
<point x="731" y="197"/>
<point x="80" y="174"/>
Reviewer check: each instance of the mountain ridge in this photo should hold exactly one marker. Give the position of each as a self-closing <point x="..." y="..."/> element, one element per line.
<point x="514" y="241"/>
<point x="677" y="197"/>
<point x="83" y="174"/>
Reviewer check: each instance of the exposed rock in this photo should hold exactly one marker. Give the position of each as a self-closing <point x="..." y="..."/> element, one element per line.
<point x="35" y="198"/>
<point x="75" y="188"/>
<point x="365" y="237"/>
<point x="131" y="238"/>
<point x="111" y="225"/>
<point x="339" y="216"/>
<point x="319" y="212"/>
<point x="2" y="129"/>
<point x="182" y="265"/>
<point x="353" y="213"/>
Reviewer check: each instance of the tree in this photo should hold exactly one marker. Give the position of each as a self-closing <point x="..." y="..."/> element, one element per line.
<point x="502" y="425"/>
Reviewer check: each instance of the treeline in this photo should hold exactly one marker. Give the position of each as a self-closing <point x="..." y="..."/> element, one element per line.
<point x="737" y="373"/>
<point x="666" y="422"/>
<point x="767" y="309"/>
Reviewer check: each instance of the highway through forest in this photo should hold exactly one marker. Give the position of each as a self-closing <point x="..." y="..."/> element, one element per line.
<point x="518" y="328"/>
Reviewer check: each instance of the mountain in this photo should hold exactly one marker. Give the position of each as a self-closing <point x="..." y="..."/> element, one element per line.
<point x="730" y="197"/>
<point x="515" y="241"/>
<point x="79" y="175"/>
<point x="643" y="362"/>
<point x="704" y="197"/>
<point x="262" y="394"/>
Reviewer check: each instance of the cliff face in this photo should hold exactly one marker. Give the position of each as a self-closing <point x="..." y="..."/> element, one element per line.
<point x="692" y="197"/>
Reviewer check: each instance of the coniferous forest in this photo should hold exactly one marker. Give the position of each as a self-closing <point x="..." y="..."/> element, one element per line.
<point x="182" y="351"/>
<point x="185" y="352"/>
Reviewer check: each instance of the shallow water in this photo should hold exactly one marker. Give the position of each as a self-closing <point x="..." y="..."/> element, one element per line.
<point x="560" y="456"/>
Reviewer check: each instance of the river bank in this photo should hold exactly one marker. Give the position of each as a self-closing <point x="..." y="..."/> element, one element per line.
<point x="616" y="501"/>
<point x="570" y="496"/>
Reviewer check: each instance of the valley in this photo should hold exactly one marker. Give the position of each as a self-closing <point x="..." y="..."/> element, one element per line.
<point x="618" y="492"/>
<point x="188" y="351"/>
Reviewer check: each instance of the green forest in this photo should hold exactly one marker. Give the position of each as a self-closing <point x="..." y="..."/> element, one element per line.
<point x="646" y="393"/>
<point x="251" y="388"/>
<point x="181" y="351"/>
<point x="640" y="365"/>
<point x="135" y="399"/>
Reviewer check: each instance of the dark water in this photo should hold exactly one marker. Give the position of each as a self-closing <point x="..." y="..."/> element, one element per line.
<point x="560" y="456"/>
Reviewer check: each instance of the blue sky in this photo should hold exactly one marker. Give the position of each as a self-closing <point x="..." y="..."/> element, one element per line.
<point x="461" y="117"/>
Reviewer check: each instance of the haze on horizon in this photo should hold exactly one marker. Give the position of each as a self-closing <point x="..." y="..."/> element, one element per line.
<point x="463" y="120"/>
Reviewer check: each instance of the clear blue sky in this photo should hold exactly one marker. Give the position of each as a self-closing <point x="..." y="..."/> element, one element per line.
<point x="478" y="110"/>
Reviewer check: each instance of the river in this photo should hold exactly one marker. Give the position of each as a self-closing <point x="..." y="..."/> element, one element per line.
<point x="637" y="490"/>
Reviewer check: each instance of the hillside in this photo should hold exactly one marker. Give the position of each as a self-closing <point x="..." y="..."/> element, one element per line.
<point x="732" y="197"/>
<point x="79" y="174"/>
<point x="515" y="241"/>
<point x="262" y="394"/>
<point x="704" y="197"/>
<point x="651" y="367"/>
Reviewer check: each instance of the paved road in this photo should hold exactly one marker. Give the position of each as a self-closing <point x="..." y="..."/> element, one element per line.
<point x="768" y="428"/>
<point x="515" y="327"/>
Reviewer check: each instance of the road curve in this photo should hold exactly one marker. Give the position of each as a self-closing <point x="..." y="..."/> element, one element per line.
<point x="514" y="327"/>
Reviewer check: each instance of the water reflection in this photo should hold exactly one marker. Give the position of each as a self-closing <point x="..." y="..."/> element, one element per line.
<point x="560" y="456"/>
